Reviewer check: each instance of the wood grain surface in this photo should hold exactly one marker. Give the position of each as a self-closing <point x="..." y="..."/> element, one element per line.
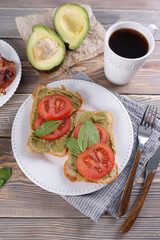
<point x="76" y="229"/>
<point x="104" y="16"/>
<point x="117" y="4"/>
<point x="29" y="212"/>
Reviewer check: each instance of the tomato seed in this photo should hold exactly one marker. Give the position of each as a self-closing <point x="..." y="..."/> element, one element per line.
<point x="47" y="107"/>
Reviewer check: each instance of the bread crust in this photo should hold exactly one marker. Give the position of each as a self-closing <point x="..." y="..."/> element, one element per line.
<point x="78" y="177"/>
<point x="33" y="95"/>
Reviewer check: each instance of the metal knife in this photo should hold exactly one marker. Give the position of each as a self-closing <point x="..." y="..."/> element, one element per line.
<point x="151" y="168"/>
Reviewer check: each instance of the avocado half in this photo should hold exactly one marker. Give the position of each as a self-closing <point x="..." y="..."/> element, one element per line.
<point x="45" y="49"/>
<point x="71" y="22"/>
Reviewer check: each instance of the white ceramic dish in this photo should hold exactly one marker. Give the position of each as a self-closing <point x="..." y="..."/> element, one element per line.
<point x="10" y="54"/>
<point x="46" y="170"/>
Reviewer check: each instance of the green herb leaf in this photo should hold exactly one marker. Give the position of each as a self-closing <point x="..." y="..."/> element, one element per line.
<point x="47" y="128"/>
<point x="1" y="182"/>
<point x="73" y="146"/>
<point x="5" y="174"/>
<point x="88" y="135"/>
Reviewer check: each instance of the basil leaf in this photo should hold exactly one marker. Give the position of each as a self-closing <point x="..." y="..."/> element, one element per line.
<point x="1" y="182"/>
<point x="72" y="145"/>
<point x="50" y="126"/>
<point x="5" y="174"/>
<point x="47" y="128"/>
<point x="88" y="135"/>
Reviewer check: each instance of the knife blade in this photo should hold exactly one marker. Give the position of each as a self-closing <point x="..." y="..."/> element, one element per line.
<point x="153" y="162"/>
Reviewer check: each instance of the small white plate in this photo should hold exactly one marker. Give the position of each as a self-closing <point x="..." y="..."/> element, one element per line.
<point x="10" y="54"/>
<point x="47" y="171"/>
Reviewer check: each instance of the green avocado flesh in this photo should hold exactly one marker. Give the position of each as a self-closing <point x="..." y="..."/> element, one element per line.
<point x="55" y="146"/>
<point x="101" y="119"/>
<point x="71" y="22"/>
<point x="45" y="49"/>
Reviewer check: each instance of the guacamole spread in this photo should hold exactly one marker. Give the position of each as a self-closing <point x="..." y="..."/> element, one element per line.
<point x="55" y="146"/>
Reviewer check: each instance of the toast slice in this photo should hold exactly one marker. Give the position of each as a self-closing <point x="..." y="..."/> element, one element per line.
<point x="55" y="147"/>
<point x="70" y="167"/>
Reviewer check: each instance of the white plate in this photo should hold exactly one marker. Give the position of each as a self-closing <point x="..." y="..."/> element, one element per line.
<point x="10" y="54"/>
<point x="47" y="171"/>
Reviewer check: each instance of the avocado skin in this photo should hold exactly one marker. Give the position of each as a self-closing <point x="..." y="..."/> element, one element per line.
<point x="67" y="43"/>
<point x="52" y="66"/>
<point x="48" y="71"/>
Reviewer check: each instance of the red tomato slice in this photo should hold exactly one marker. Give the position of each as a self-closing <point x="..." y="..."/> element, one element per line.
<point x="59" y="132"/>
<point x="96" y="161"/>
<point x="102" y="132"/>
<point x="54" y="107"/>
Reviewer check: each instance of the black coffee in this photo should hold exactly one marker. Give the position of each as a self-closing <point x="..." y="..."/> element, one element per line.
<point x="128" y="43"/>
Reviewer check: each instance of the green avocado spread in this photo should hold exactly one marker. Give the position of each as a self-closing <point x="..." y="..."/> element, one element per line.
<point x="55" y="146"/>
<point x="101" y="118"/>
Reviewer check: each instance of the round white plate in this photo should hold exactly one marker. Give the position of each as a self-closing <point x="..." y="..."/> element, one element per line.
<point x="46" y="170"/>
<point x="10" y="54"/>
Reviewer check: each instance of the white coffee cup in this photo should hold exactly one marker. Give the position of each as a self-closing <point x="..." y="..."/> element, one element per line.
<point x="120" y="70"/>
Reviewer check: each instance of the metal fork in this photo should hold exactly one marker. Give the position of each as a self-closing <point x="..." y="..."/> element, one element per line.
<point x="144" y="132"/>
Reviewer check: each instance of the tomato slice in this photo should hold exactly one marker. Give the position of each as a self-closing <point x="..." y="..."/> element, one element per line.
<point x="59" y="132"/>
<point x="96" y="161"/>
<point x="102" y="132"/>
<point x="54" y="107"/>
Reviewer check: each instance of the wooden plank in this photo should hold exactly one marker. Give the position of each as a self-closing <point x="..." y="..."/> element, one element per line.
<point x="116" y="4"/>
<point x="76" y="229"/>
<point x="145" y="82"/>
<point x="9" y="110"/>
<point x="104" y="16"/>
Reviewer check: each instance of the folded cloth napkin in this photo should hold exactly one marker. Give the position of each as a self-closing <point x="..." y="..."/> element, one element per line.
<point x="108" y="198"/>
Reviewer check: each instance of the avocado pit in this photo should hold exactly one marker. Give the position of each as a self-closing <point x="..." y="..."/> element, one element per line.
<point x="44" y="49"/>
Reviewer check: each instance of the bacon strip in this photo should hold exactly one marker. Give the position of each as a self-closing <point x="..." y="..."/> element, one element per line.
<point x="7" y="73"/>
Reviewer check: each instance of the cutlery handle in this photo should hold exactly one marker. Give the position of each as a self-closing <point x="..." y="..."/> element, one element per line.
<point x="123" y="207"/>
<point x="137" y="208"/>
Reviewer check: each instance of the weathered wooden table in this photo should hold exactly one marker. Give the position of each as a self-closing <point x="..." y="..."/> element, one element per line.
<point x="29" y="212"/>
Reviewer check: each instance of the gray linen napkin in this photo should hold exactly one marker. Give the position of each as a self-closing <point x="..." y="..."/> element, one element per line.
<point x="107" y="199"/>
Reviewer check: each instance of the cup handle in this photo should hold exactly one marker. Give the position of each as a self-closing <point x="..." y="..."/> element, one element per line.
<point x="153" y="29"/>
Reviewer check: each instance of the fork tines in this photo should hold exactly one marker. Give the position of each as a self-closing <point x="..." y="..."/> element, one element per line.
<point x="149" y="117"/>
